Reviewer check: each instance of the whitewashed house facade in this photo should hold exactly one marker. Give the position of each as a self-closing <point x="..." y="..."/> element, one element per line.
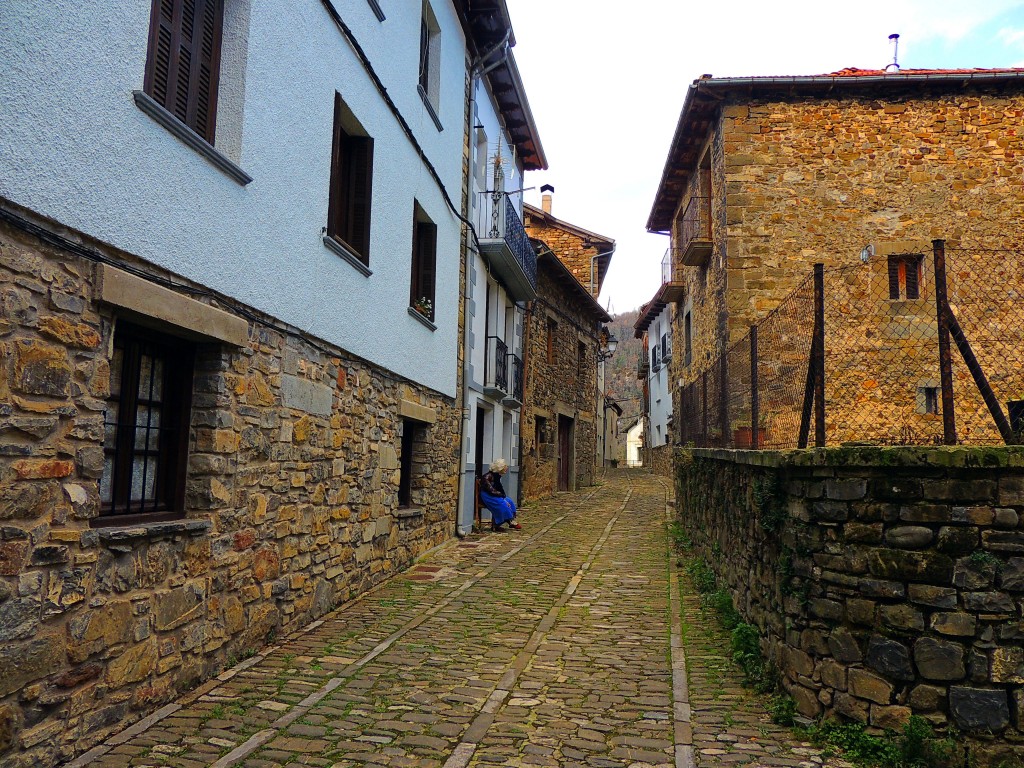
<point x="231" y="253"/>
<point x="501" y="264"/>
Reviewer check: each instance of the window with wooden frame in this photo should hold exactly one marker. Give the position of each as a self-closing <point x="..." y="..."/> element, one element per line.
<point x="552" y="328"/>
<point x="146" y="425"/>
<point x="183" y="63"/>
<point x="905" y="276"/>
<point x="348" y="215"/>
<point x="687" y="339"/>
<point x="430" y="59"/>
<point x="410" y="428"/>
<point x="424" y="263"/>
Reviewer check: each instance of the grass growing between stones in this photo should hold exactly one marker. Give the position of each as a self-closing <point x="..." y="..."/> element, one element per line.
<point x="916" y="746"/>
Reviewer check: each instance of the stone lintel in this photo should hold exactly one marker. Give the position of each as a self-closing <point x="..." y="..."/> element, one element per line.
<point x="191" y="317"/>
<point x="410" y="410"/>
<point x="901" y="247"/>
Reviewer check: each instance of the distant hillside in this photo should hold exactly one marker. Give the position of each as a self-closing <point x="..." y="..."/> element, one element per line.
<point x="621" y="381"/>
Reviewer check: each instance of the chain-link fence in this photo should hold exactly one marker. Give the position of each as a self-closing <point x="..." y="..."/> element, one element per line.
<point x="875" y="374"/>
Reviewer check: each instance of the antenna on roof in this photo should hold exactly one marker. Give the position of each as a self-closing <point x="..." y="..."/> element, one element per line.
<point x="895" y="50"/>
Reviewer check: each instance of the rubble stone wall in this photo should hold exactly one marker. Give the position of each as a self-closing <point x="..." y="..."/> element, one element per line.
<point x="564" y="386"/>
<point x="885" y="582"/>
<point x="661" y="460"/>
<point x="292" y="507"/>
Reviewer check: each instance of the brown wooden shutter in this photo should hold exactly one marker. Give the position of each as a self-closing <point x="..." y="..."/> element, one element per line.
<point x="428" y="262"/>
<point x="894" y="278"/>
<point x="913" y="268"/>
<point x="414" y="283"/>
<point x="183" y="66"/>
<point x="361" y="160"/>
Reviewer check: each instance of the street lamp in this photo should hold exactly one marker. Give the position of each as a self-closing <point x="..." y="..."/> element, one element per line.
<point x="608" y="349"/>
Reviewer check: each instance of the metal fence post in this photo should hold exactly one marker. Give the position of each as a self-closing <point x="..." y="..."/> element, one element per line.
<point x="724" y="374"/>
<point x="945" y="353"/>
<point x="755" y="403"/>
<point x="819" y="354"/>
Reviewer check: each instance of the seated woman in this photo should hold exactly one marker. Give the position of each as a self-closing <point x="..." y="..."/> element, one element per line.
<point x="503" y="509"/>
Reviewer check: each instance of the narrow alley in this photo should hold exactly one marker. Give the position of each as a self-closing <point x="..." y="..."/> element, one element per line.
<point x="559" y="645"/>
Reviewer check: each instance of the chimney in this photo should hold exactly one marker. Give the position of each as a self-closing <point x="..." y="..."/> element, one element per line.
<point x="545" y="197"/>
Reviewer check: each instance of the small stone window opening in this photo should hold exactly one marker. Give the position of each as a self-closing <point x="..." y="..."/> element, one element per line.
<point x="411" y="436"/>
<point x="146" y="427"/>
<point x="581" y="359"/>
<point x="540" y="433"/>
<point x="905" y="276"/>
<point x="928" y="400"/>
<point x="552" y="327"/>
<point x="687" y="339"/>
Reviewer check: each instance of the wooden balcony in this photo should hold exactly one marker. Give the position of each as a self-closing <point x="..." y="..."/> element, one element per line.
<point x="695" y="241"/>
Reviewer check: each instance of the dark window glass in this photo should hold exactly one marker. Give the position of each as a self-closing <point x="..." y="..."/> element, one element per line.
<point x="145" y="442"/>
<point x="183" y="64"/>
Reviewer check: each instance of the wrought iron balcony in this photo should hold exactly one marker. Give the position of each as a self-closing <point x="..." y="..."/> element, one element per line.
<point x="515" y="398"/>
<point x="496" y="368"/>
<point x="504" y="243"/>
<point x="695" y="232"/>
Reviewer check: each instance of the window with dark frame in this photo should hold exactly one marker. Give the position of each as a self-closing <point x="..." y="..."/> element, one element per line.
<point x="348" y="215"/>
<point x="183" y="62"/>
<point x="540" y="432"/>
<point x="905" y="276"/>
<point x="552" y="327"/>
<point x="424" y="264"/>
<point x="405" y="463"/>
<point x="146" y="424"/>
<point x="430" y="39"/>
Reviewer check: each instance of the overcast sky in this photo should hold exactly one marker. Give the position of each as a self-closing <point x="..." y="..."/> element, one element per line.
<point x="606" y="81"/>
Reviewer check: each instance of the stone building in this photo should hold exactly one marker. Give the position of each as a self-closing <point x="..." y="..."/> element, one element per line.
<point x="560" y="411"/>
<point x="563" y="418"/>
<point x="230" y="317"/>
<point x="766" y="176"/>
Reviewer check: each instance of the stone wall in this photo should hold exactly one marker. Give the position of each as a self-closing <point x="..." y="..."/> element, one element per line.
<point x="565" y="386"/>
<point x="661" y="460"/>
<point x="572" y="246"/>
<point x="884" y="582"/>
<point x="291" y="508"/>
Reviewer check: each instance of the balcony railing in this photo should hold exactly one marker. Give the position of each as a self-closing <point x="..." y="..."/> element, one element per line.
<point x="695" y="232"/>
<point x="643" y="367"/>
<point x="515" y="398"/>
<point x="496" y="368"/>
<point x="504" y="242"/>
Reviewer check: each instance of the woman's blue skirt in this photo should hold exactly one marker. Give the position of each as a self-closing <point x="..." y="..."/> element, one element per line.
<point x="502" y="508"/>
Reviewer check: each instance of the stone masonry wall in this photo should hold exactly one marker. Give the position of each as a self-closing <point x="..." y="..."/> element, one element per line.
<point x="884" y="582"/>
<point x="569" y="246"/>
<point x="661" y="460"/>
<point x="291" y="510"/>
<point x="565" y="386"/>
<point x="816" y="180"/>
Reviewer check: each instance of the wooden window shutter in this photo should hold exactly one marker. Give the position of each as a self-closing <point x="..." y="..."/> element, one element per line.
<point x="913" y="268"/>
<point x="428" y="261"/>
<point x="894" y="278"/>
<point x="183" y="66"/>
<point x="360" y="188"/>
<point x="414" y="283"/>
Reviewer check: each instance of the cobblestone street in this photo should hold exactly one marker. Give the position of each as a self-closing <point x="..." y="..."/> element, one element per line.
<point x="562" y="644"/>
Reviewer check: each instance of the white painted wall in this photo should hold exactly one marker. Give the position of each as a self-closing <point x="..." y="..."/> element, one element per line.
<point x="634" y="445"/>
<point x="487" y="138"/>
<point x="77" y="149"/>
<point x="660" y="382"/>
